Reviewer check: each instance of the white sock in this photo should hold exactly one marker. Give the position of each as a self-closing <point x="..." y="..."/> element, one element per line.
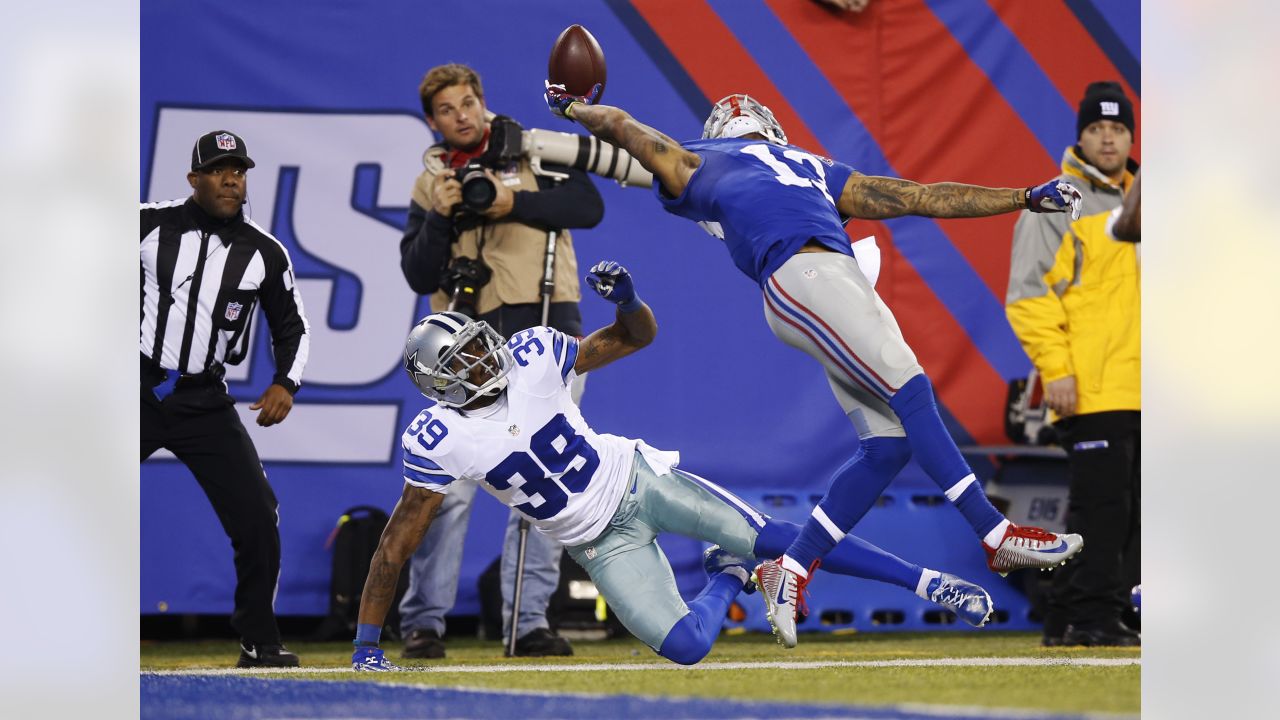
<point x="926" y="577"/>
<point x="738" y="572"/>
<point x="993" y="538"/>
<point x="794" y="566"/>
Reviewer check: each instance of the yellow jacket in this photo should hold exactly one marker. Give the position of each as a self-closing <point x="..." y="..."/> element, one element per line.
<point x="1075" y="298"/>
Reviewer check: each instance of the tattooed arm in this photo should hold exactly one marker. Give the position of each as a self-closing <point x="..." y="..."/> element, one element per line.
<point x="628" y="333"/>
<point x="875" y="198"/>
<point x="409" y="522"/>
<point x="658" y="153"/>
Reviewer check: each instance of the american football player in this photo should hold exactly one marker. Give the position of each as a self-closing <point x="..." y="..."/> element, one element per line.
<point x="501" y="415"/>
<point x="780" y="212"/>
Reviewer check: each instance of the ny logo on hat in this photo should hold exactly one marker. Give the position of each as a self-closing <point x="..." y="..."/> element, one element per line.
<point x="227" y="141"/>
<point x="1108" y="108"/>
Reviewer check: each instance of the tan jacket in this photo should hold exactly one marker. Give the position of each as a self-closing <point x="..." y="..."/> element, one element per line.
<point x="1075" y="299"/>
<point x="514" y="251"/>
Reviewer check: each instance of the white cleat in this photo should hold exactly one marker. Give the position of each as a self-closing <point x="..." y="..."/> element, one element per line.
<point x="778" y="587"/>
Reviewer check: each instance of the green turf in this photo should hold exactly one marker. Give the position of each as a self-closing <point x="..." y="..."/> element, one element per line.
<point x="1057" y="688"/>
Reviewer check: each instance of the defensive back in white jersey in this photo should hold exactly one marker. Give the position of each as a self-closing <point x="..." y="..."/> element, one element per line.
<point x="532" y="449"/>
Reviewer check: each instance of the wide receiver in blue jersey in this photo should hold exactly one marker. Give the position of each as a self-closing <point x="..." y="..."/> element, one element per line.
<point x="501" y="415"/>
<point x="781" y="212"/>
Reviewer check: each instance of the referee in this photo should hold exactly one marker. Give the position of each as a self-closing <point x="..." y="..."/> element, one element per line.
<point x="204" y="268"/>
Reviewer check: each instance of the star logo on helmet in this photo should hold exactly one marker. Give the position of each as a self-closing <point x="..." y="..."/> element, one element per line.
<point x="411" y="364"/>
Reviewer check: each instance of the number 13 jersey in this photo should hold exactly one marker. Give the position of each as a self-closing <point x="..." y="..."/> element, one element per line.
<point x="764" y="200"/>
<point x="532" y="449"/>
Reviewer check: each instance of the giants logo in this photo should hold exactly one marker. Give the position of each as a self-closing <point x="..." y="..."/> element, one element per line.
<point x="338" y="209"/>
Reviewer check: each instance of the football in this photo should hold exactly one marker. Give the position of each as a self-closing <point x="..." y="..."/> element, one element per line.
<point x="577" y="62"/>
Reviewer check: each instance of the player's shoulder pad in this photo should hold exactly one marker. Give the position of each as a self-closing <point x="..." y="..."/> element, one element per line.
<point x="543" y="352"/>
<point x="426" y="446"/>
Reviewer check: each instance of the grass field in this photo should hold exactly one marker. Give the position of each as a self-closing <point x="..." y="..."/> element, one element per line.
<point x="1058" y="685"/>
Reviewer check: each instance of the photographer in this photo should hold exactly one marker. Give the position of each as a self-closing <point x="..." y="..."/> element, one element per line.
<point x="479" y="248"/>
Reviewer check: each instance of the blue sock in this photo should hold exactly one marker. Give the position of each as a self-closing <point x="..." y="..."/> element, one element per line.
<point x="368" y="635"/>
<point x="852" y="556"/>
<point x="937" y="453"/>
<point x="691" y="639"/>
<point x="853" y="490"/>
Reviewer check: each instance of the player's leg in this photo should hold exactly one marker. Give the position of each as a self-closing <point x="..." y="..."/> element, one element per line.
<point x="822" y="304"/>
<point x="541" y="577"/>
<point x="634" y="576"/>
<point x="216" y="447"/>
<point x="433" y="575"/>
<point x="686" y="504"/>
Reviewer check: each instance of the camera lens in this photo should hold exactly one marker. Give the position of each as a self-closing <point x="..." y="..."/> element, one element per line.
<point x="478" y="191"/>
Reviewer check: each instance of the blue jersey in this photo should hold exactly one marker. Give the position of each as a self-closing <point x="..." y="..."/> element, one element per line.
<point x="763" y="200"/>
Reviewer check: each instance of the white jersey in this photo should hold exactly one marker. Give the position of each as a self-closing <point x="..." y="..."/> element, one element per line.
<point x="535" y="452"/>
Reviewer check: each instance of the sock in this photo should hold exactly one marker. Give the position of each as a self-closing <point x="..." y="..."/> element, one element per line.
<point x="926" y="576"/>
<point x="368" y="635"/>
<point x="692" y="637"/>
<point x="853" y="490"/>
<point x="852" y="556"/>
<point x="937" y="454"/>
<point x="993" y="538"/>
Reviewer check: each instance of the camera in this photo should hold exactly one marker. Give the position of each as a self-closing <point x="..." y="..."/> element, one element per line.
<point x="478" y="191"/>
<point x="462" y="280"/>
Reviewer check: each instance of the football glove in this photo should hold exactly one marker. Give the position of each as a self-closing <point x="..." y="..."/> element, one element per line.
<point x="559" y="99"/>
<point x="1054" y="196"/>
<point x="612" y="282"/>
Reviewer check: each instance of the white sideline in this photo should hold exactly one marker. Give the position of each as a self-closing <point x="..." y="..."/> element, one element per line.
<point x="781" y="665"/>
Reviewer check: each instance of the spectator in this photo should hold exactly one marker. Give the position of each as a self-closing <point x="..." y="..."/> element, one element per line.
<point x="450" y="247"/>
<point x="1075" y="304"/>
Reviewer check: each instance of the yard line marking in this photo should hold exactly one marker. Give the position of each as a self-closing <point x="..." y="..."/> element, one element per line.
<point x="779" y="665"/>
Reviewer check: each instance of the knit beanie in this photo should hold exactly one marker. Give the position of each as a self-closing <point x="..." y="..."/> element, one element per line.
<point x="1104" y="100"/>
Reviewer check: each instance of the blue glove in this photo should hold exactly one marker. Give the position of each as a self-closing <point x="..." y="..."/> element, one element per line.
<point x="559" y="99"/>
<point x="1055" y="196"/>
<point x="612" y="282"/>
<point x="371" y="659"/>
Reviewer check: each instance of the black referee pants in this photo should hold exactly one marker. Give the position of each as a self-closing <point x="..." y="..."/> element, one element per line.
<point x="1105" y="452"/>
<point x="200" y="426"/>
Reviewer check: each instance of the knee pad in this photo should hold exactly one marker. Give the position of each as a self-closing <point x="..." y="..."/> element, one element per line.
<point x="886" y="454"/>
<point x="915" y="395"/>
<point x="685" y="643"/>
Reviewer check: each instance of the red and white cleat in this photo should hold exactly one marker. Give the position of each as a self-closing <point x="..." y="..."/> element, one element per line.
<point x="1025" y="547"/>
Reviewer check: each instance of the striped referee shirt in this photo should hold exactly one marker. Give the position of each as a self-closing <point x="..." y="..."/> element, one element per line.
<point x="201" y="280"/>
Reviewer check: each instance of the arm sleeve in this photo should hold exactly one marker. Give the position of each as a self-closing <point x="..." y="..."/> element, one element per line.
<point x="150" y="218"/>
<point x="1041" y="271"/>
<point x="574" y="203"/>
<point x="424" y="248"/>
<point x="429" y="453"/>
<point x="290" y="333"/>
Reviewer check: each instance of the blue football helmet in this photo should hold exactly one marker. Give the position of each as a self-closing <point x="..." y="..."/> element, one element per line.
<point x="441" y="352"/>
<point x="738" y="115"/>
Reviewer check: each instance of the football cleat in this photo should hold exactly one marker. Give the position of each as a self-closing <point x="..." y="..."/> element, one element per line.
<point x="716" y="560"/>
<point x="371" y="659"/>
<point x="1025" y="547"/>
<point x="968" y="601"/>
<point x="784" y="597"/>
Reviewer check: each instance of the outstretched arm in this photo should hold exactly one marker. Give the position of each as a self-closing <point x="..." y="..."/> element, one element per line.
<point x="876" y="198"/>
<point x="657" y="152"/>
<point x="633" y="325"/>
<point x="409" y="522"/>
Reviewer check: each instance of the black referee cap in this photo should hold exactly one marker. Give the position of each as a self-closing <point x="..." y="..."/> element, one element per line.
<point x="219" y="144"/>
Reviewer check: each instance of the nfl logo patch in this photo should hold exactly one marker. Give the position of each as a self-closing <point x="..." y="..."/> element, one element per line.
<point x="233" y="310"/>
<point x="226" y="141"/>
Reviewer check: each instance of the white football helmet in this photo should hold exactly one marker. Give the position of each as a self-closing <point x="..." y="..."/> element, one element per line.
<point x="737" y="115"/>
<point x="443" y="348"/>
